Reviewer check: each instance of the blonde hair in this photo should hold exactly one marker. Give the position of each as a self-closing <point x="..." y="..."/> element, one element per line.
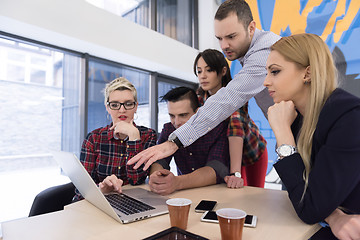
<point x="120" y="84"/>
<point x="310" y="50"/>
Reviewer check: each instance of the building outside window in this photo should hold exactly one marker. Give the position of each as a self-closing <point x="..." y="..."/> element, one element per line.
<point x="103" y="72"/>
<point x="165" y="85"/>
<point x="39" y="113"/>
<point x="174" y="18"/>
<point x="50" y="98"/>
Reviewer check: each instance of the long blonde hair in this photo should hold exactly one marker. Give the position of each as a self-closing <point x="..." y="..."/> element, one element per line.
<point x="310" y="50"/>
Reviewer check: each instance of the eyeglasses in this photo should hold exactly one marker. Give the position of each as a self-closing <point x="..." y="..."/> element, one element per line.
<point x="117" y="105"/>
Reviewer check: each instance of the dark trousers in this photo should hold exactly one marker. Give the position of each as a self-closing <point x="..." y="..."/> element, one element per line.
<point x="323" y="234"/>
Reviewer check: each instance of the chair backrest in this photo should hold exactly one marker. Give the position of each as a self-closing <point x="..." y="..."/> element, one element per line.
<point x="52" y="199"/>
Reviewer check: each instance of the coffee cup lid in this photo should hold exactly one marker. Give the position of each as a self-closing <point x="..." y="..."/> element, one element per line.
<point x="231" y="213"/>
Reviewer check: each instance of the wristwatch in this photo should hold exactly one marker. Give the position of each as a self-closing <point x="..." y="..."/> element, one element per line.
<point x="236" y="174"/>
<point x="286" y="150"/>
<point x="173" y="138"/>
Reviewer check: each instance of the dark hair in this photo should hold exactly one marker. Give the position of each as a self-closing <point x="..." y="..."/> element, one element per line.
<point x="216" y="62"/>
<point x="240" y="7"/>
<point x="181" y="93"/>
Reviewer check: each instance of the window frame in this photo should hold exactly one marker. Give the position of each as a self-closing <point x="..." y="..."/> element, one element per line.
<point x="154" y="79"/>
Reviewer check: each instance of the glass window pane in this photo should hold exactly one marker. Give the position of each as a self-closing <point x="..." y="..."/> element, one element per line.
<point x="101" y="73"/>
<point x="16" y="56"/>
<point x="174" y="19"/>
<point x="137" y="11"/>
<point x="38" y="61"/>
<point x="15" y="73"/>
<point x="163" y="116"/>
<point x="38" y="109"/>
<point x="165" y="84"/>
<point x="34" y="120"/>
<point x="38" y="76"/>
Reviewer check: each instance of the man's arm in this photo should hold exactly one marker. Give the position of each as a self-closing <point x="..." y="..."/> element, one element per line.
<point x="245" y="85"/>
<point x="164" y="182"/>
<point x="344" y="226"/>
<point x="199" y="178"/>
<point x="155" y="167"/>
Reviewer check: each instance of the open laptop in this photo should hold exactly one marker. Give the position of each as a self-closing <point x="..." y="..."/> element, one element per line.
<point x="132" y="205"/>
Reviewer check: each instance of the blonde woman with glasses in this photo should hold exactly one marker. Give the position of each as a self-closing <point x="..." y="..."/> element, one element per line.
<point x="106" y="150"/>
<point x="317" y="129"/>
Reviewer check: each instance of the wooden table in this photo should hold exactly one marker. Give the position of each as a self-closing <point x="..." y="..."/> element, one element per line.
<point x="276" y="218"/>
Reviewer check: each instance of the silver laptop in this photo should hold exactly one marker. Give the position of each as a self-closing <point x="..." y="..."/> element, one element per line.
<point x="133" y="205"/>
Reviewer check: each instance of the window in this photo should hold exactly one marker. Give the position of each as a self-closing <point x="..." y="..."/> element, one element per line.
<point x="165" y="85"/>
<point x="49" y="103"/>
<point x="174" y="18"/>
<point x="103" y="72"/>
<point x="39" y="95"/>
<point x="139" y="14"/>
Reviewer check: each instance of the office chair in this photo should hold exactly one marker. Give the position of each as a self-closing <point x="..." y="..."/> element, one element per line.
<point x="52" y="199"/>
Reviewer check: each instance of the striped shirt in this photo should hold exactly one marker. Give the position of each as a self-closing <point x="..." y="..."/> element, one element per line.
<point x="241" y="125"/>
<point x="246" y="84"/>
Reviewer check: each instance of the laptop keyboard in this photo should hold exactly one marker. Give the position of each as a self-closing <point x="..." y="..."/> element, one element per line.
<point x="126" y="204"/>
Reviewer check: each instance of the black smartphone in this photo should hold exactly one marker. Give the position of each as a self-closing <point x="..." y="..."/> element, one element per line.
<point x="205" y="205"/>
<point x="210" y="216"/>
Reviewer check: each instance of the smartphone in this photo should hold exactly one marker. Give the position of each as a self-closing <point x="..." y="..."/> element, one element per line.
<point x="210" y="216"/>
<point x="205" y="205"/>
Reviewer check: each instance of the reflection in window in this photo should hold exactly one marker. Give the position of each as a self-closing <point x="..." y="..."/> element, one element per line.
<point x="101" y="73"/>
<point x="15" y="73"/>
<point x="38" y="76"/>
<point x="16" y="56"/>
<point x="139" y="14"/>
<point x="137" y="11"/>
<point x="174" y="18"/>
<point x="39" y="107"/>
<point x="163" y="115"/>
<point x="38" y="61"/>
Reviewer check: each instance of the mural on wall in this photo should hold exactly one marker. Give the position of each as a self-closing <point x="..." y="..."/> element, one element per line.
<point x="337" y="22"/>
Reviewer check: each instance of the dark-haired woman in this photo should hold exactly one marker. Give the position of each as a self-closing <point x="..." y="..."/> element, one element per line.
<point x="247" y="147"/>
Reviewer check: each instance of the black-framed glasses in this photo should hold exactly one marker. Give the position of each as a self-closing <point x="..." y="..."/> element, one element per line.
<point x="117" y="105"/>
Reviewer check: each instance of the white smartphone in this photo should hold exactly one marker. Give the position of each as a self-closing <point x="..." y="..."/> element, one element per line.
<point x="210" y="216"/>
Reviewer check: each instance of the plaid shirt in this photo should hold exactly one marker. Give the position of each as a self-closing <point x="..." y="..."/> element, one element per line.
<point x="102" y="155"/>
<point x="210" y="150"/>
<point x="243" y="126"/>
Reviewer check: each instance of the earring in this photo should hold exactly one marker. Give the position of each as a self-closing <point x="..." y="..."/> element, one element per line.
<point x="307" y="82"/>
<point x="135" y="116"/>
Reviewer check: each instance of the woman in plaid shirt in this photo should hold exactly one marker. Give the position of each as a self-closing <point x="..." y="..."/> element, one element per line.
<point x="106" y="150"/>
<point x="247" y="147"/>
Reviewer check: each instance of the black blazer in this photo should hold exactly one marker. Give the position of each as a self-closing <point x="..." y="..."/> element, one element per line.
<point x="335" y="174"/>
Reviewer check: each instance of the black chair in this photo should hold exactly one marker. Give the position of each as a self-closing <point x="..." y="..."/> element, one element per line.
<point x="52" y="199"/>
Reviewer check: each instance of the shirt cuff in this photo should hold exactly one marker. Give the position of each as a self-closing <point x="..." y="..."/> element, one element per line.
<point x="186" y="134"/>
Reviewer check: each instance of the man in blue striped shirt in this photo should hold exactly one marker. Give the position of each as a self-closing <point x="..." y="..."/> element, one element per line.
<point x="240" y="40"/>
